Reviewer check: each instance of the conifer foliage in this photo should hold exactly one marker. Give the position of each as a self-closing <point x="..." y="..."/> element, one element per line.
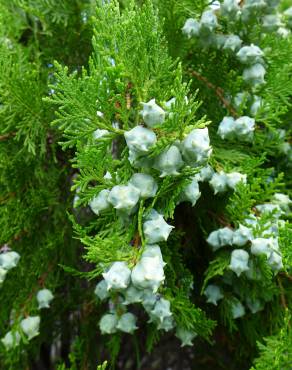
<point x="145" y="175"/>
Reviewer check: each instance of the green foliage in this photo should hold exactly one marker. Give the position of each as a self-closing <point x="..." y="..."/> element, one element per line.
<point x="286" y="242"/>
<point x="22" y="114"/>
<point x="188" y="316"/>
<point x="153" y="337"/>
<point x="260" y="189"/>
<point x="75" y="358"/>
<point x="102" y="367"/>
<point x="275" y="353"/>
<point x="278" y="91"/>
<point x="216" y="268"/>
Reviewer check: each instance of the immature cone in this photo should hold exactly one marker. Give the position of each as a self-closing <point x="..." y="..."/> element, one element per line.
<point x="219" y="182"/>
<point x="283" y="201"/>
<point x="255" y="305"/>
<point x="191" y="192"/>
<point x="256" y="4"/>
<point x="133" y="295"/>
<point x="97" y="134"/>
<point x="11" y="340"/>
<point x="191" y="28"/>
<point x="148" y="273"/>
<point x="30" y="326"/>
<point x="118" y="276"/>
<point x="271" y="22"/>
<point x="100" y="202"/>
<point x="44" y="298"/>
<point x="127" y="323"/>
<point x="237" y="310"/>
<point x="196" y="147"/>
<point x="101" y="290"/>
<point x="186" y="336"/>
<point x="152" y="114"/>
<point x="226" y="129"/>
<point x="241" y="236"/>
<point x="213" y="294"/>
<point x="156" y="229"/>
<point x="239" y="261"/>
<point x="256" y="105"/>
<point x="149" y="298"/>
<point x="288" y="16"/>
<point x="153" y="250"/>
<point x="230" y="8"/>
<point x="232" y="42"/>
<point x="169" y="162"/>
<point x="108" y="323"/>
<point x="124" y="197"/>
<point x="250" y="54"/>
<point x="254" y="75"/>
<point x="161" y="310"/>
<point x="208" y="21"/>
<point x="205" y="174"/>
<point x="145" y="184"/>
<point x="234" y="178"/>
<point x="275" y="261"/>
<point x="140" y="160"/>
<point x="241" y="99"/>
<point x="270" y="208"/>
<point x="9" y="260"/>
<point x="244" y="128"/>
<point x="221" y="237"/>
<point x="166" y="324"/>
<point x="264" y="246"/>
<point x="140" y="139"/>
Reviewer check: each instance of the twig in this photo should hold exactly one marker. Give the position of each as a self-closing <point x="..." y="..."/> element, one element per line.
<point x="284" y="274"/>
<point x="129" y="96"/>
<point x="218" y="91"/>
<point x="42" y="278"/>
<point x="7" y="197"/>
<point x="282" y="295"/>
<point x="40" y="283"/>
<point x="136" y="241"/>
<point x="7" y="136"/>
<point x="220" y="219"/>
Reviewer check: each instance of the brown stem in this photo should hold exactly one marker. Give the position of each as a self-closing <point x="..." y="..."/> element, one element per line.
<point x="220" y="219"/>
<point x="218" y="91"/>
<point x="7" y="196"/>
<point x="40" y="283"/>
<point x="7" y="136"/>
<point x="137" y="240"/>
<point x="284" y="274"/>
<point x="282" y="295"/>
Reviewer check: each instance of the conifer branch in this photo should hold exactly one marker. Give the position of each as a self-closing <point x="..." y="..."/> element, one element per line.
<point x="40" y="284"/>
<point x="145" y="198"/>
<point x="218" y="91"/>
